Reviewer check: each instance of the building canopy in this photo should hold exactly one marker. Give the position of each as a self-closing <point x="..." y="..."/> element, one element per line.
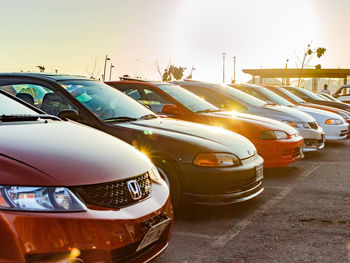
<point x="298" y="73"/>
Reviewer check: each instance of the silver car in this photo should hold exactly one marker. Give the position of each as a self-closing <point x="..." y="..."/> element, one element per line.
<point x="230" y="98"/>
<point x="334" y="126"/>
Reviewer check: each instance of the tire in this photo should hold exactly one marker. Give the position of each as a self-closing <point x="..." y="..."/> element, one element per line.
<point x="168" y="172"/>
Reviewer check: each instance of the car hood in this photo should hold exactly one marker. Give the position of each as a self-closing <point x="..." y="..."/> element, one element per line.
<point x="320" y="115"/>
<point x="203" y="135"/>
<point x="65" y="154"/>
<point x="254" y="120"/>
<point x="287" y="113"/>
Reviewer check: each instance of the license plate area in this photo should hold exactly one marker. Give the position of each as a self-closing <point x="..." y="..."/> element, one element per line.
<point x="259" y="170"/>
<point x="154" y="229"/>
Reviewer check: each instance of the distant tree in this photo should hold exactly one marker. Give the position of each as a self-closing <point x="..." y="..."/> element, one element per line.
<point x="93" y="73"/>
<point x="176" y="72"/>
<point x="166" y="75"/>
<point x="41" y="68"/>
<point x="308" y="55"/>
<point x="190" y="76"/>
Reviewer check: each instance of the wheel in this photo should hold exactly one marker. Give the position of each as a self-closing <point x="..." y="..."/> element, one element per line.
<point x="168" y="172"/>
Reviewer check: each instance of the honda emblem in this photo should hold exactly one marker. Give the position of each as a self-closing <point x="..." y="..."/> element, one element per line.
<point x="134" y="189"/>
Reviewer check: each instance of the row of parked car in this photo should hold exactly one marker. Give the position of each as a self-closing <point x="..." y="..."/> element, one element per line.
<point x="86" y="167"/>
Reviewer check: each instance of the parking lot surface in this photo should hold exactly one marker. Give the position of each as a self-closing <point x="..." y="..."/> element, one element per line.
<point x="302" y="216"/>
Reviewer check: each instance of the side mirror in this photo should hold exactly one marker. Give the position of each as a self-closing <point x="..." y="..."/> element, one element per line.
<point x="171" y="109"/>
<point x="68" y="114"/>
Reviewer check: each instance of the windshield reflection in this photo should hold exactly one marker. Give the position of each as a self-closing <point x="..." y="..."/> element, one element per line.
<point x="105" y="102"/>
<point x="188" y="99"/>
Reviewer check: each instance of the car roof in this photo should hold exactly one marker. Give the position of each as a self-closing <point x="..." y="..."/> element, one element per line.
<point x="43" y="75"/>
<point x="140" y="82"/>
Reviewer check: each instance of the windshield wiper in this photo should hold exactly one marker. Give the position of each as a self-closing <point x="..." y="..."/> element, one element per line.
<point x="120" y="119"/>
<point x="26" y="117"/>
<point x="269" y="104"/>
<point x="208" y="110"/>
<point x="149" y="116"/>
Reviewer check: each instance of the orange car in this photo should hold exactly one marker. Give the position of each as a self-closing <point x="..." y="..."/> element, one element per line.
<point x="278" y="143"/>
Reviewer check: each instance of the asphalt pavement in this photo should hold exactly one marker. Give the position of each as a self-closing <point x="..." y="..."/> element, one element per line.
<point x="302" y="216"/>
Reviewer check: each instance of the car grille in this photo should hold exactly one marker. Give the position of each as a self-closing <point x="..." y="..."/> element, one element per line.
<point x="343" y="132"/>
<point x="247" y="181"/>
<point x="114" y="194"/>
<point x="313" y="125"/>
<point x="129" y="253"/>
<point x="294" y="153"/>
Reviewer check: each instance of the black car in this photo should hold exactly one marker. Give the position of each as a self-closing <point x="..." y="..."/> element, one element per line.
<point x="209" y="166"/>
<point x="310" y="97"/>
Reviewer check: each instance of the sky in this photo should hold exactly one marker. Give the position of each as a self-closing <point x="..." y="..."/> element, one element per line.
<point x="139" y="36"/>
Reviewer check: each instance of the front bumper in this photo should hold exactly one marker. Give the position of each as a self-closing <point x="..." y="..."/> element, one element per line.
<point x="313" y="138"/>
<point x="223" y="186"/>
<point x="335" y="132"/>
<point x="97" y="235"/>
<point x="279" y="153"/>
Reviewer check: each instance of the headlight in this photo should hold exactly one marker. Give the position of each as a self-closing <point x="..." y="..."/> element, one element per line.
<point x="333" y="122"/>
<point x="273" y="135"/>
<point x="39" y="199"/>
<point x="344" y="115"/>
<point x="155" y="176"/>
<point x="216" y="160"/>
<point x="298" y="124"/>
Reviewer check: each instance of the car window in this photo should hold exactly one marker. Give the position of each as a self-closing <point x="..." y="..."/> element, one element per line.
<point x="155" y="100"/>
<point x="292" y="96"/>
<point x="219" y="100"/>
<point x="299" y="94"/>
<point x="255" y="93"/>
<point x="9" y="106"/>
<point x="239" y="95"/>
<point x="133" y="93"/>
<point x="276" y="98"/>
<point x="39" y="96"/>
<point x="186" y="98"/>
<point x="105" y="102"/>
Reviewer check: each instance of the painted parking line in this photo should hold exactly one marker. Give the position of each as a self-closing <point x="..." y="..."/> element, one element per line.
<point x="195" y="235"/>
<point x="239" y="227"/>
<point x="274" y="187"/>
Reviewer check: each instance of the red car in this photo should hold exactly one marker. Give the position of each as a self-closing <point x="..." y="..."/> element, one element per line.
<point x="278" y="143"/>
<point x="70" y="193"/>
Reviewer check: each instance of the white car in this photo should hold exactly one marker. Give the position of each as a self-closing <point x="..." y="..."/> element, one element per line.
<point x="334" y="126"/>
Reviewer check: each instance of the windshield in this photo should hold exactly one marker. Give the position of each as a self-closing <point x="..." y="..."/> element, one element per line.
<point x="104" y="101"/>
<point x="276" y="98"/>
<point x="187" y="99"/>
<point x="292" y="96"/>
<point x="9" y="106"/>
<point x="329" y="97"/>
<point x="305" y="92"/>
<point x="240" y="95"/>
<point x="324" y="97"/>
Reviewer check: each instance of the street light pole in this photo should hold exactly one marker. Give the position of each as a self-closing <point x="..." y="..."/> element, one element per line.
<point x="223" y="67"/>
<point x="234" y="69"/>
<point x="110" y="71"/>
<point x="104" y="71"/>
<point x="285" y="81"/>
